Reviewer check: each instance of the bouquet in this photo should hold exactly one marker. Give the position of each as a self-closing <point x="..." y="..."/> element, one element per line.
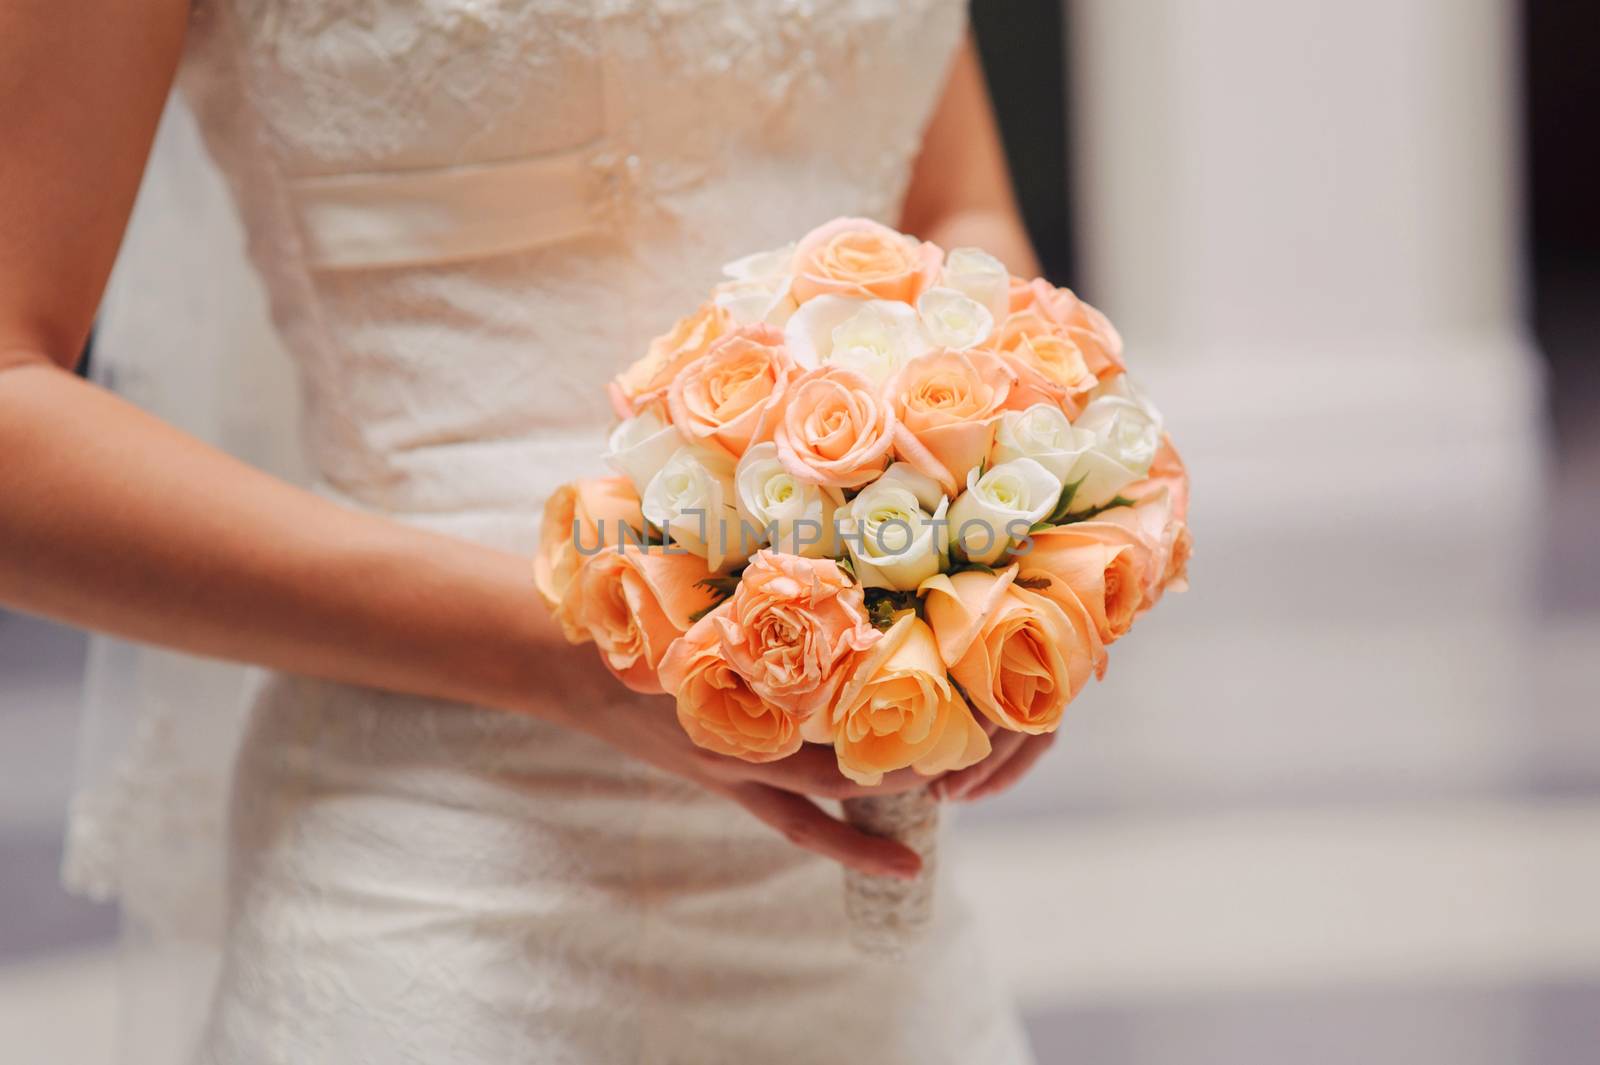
<point x="866" y="492"/>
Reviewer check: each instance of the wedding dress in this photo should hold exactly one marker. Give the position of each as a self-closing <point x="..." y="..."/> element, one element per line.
<point x="466" y="215"/>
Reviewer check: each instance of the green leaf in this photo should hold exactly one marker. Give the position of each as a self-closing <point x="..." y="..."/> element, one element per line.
<point x="1033" y="584"/>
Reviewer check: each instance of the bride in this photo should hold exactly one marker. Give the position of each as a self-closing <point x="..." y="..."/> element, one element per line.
<point x="452" y="840"/>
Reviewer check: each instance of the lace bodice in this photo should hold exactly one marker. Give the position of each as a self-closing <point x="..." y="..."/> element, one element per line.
<point x="469" y="212"/>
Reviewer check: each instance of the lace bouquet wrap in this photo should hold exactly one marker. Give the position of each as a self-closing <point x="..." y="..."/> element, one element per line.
<point x="877" y="496"/>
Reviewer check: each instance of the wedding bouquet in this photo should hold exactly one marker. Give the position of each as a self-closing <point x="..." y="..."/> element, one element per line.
<point x="867" y="491"/>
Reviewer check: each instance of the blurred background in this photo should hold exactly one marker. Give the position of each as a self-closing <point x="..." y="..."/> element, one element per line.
<point x="1342" y="800"/>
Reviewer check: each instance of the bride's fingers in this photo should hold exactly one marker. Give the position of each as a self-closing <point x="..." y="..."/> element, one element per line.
<point x="1032" y="749"/>
<point x="806" y="825"/>
<point x="1003" y="745"/>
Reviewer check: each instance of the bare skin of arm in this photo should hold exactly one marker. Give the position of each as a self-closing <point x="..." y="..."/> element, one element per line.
<point x="112" y="520"/>
<point x="961" y="196"/>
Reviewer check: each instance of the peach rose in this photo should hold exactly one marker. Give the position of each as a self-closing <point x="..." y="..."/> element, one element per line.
<point x="1166" y="538"/>
<point x="730" y="397"/>
<point x="898" y="709"/>
<point x="1019" y="656"/>
<point x="717" y="707"/>
<point x="861" y="258"/>
<point x="1092" y="332"/>
<point x="634" y="602"/>
<point x="1100" y="566"/>
<point x="578" y="520"/>
<point x="946" y="405"/>
<point x="835" y="431"/>
<point x="644" y="384"/>
<point x="1050" y="367"/>
<point x="792" y="627"/>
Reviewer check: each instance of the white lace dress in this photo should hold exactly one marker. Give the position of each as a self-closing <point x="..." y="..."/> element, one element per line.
<point x="467" y="214"/>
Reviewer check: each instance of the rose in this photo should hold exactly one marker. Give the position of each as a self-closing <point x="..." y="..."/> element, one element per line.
<point x="634" y="602"/>
<point x="1124" y="446"/>
<point x="717" y="707"/>
<point x="975" y="273"/>
<point x="946" y="405"/>
<point x="1090" y="331"/>
<point x="792" y="626"/>
<point x="639" y="446"/>
<point x="691" y="501"/>
<point x="895" y="530"/>
<point x="644" y="384"/>
<point x="1156" y="522"/>
<point x="1000" y="506"/>
<point x="1102" y="565"/>
<point x="861" y="258"/>
<point x="1042" y="433"/>
<point x="757" y="289"/>
<point x="730" y="397"/>
<point x="953" y="320"/>
<point x="1019" y="656"/>
<point x="835" y="430"/>
<point x="873" y="337"/>
<point x="1049" y="365"/>
<point x="793" y="515"/>
<point x="898" y="709"/>
<point x="578" y="520"/>
<point x="1121" y="386"/>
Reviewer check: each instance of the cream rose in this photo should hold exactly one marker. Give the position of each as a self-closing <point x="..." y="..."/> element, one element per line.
<point x="953" y="320"/>
<point x="757" y="289"/>
<point x="1000" y="506"/>
<point x="872" y="337"/>
<point x="691" y="500"/>
<point x="898" y="709"/>
<point x="861" y="258"/>
<point x="947" y="404"/>
<point x="777" y="507"/>
<point x="1125" y="443"/>
<point x="639" y="446"/>
<point x="895" y="530"/>
<point x="978" y="275"/>
<point x="730" y="397"/>
<point x="1042" y="433"/>
<point x="835" y="431"/>
<point x="1018" y="655"/>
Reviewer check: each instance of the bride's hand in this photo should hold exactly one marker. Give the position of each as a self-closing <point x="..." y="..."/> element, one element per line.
<point x="778" y="793"/>
<point x="1011" y="755"/>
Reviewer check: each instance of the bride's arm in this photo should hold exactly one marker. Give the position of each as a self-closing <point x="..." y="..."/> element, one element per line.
<point x="112" y="520"/>
<point x="960" y="193"/>
<point x="960" y="196"/>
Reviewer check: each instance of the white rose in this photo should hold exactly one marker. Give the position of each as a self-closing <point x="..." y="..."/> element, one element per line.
<point x="1000" y="506"/>
<point x="1122" y="387"/>
<point x="975" y="273"/>
<point x="770" y="497"/>
<point x="757" y="289"/>
<point x="893" y="541"/>
<point x="1125" y="441"/>
<point x="1042" y="433"/>
<point x="691" y="499"/>
<point x="873" y="337"/>
<point x="952" y="320"/>
<point x="919" y="484"/>
<point x="639" y="447"/>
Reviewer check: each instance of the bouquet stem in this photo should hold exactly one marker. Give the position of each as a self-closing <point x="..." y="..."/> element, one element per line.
<point x="888" y="915"/>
